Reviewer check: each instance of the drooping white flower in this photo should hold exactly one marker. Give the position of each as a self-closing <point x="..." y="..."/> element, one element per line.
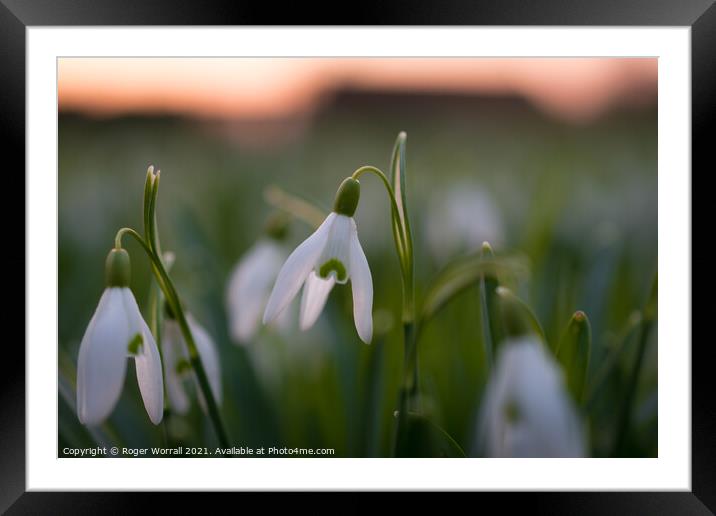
<point x="115" y="332"/>
<point x="526" y="410"/>
<point x="250" y="286"/>
<point x="460" y="219"/>
<point x="332" y="254"/>
<point x="177" y="365"/>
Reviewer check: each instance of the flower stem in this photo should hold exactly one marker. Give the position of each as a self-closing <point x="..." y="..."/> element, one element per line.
<point x="411" y="364"/>
<point x="486" y="329"/>
<point x="170" y="293"/>
<point x="150" y="217"/>
<point x="649" y="316"/>
<point x="203" y="379"/>
<point x="407" y="397"/>
<point x="399" y="234"/>
<point x="488" y="303"/>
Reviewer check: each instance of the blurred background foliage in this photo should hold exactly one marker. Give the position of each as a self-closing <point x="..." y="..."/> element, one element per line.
<point x="574" y="203"/>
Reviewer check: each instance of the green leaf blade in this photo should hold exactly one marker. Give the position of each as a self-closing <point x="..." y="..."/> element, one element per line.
<point x="573" y="353"/>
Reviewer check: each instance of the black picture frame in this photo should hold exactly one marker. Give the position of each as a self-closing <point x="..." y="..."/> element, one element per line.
<point x="700" y="15"/>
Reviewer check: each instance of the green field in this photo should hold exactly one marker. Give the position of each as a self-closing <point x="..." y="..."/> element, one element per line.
<point x="578" y="212"/>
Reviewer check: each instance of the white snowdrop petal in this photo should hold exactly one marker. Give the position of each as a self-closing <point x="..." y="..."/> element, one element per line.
<point x="315" y="293"/>
<point x="209" y="356"/>
<point x="249" y="288"/>
<point x="285" y="322"/>
<point x="102" y="359"/>
<point x="338" y="247"/>
<point x="296" y="269"/>
<point x="362" y="287"/>
<point x="84" y="352"/>
<point x="526" y="410"/>
<point x="174" y="352"/>
<point x="147" y="362"/>
<point x="149" y="376"/>
<point x="548" y="410"/>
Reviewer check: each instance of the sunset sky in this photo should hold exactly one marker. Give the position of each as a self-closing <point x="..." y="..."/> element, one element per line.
<point x="257" y="88"/>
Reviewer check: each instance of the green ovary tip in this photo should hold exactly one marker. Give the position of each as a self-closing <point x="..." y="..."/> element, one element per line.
<point x="333" y="265"/>
<point x="117" y="268"/>
<point x="347" y="197"/>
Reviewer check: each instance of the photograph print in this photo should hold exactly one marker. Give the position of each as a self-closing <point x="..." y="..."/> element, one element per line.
<point x="357" y="257"/>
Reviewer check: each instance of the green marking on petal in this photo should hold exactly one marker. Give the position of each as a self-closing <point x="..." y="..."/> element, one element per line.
<point x="135" y="344"/>
<point x="512" y="413"/>
<point x="333" y="265"/>
<point x="183" y="366"/>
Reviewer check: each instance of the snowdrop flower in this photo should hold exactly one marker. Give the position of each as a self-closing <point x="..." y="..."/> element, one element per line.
<point x="115" y="332"/>
<point x="177" y="365"/>
<point x="526" y="411"/>
<point x="332" y="254"/>
<point x="251" y="280"/>
<point x="460" y="220"/>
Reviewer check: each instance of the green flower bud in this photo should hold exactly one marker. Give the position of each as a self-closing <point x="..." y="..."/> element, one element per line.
<point x="347" y="197"/>
<point x="117" y="268"/>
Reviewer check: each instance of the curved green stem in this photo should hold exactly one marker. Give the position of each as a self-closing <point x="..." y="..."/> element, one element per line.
<point x="174" y="302"/>
<point x="399" y="236"/>
<point x="195" y="359"/>
<point x="403" y="242"/>
<point x="136" y="236"/>
<point x="407" y="397"/>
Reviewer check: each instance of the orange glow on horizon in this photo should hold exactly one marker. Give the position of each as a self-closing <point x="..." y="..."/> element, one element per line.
<point x="279" y="87"/>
